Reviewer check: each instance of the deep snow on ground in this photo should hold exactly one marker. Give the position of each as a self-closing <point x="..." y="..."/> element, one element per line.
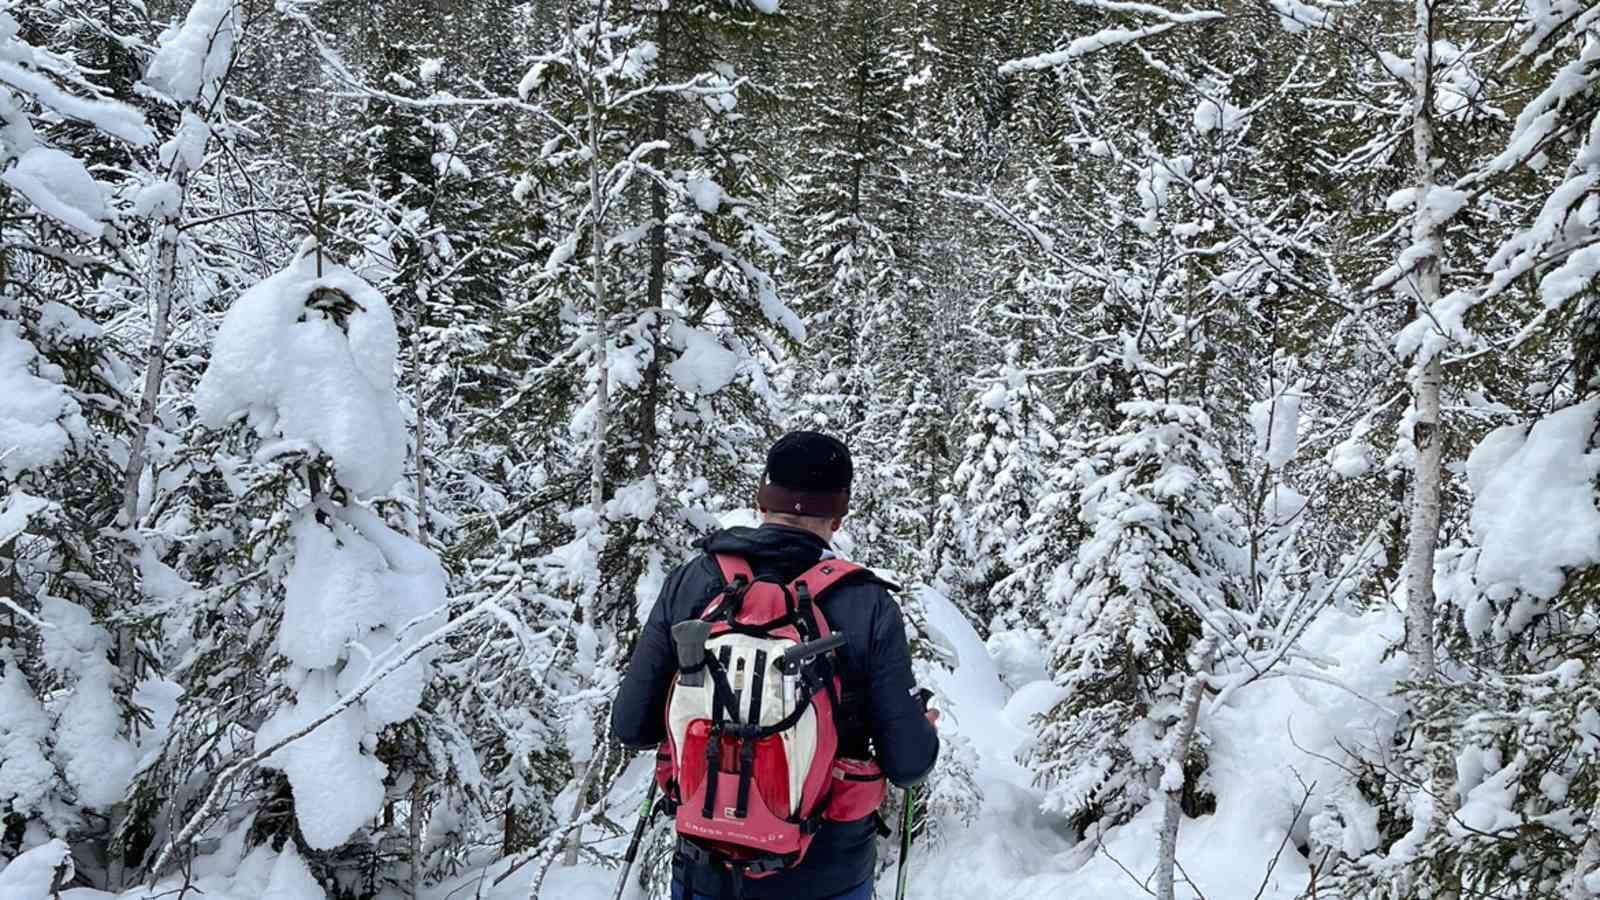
<point x="1272" y="741"/>
<point x="1266" y="744"/>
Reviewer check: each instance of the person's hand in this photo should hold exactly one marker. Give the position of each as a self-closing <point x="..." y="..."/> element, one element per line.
<point x="923" y="695"/>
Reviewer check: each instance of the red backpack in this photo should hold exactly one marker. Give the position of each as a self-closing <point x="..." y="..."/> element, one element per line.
<point x="750" y="762"/>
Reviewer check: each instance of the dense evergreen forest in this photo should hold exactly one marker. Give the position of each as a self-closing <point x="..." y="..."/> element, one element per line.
<point x="1221" y="380"/>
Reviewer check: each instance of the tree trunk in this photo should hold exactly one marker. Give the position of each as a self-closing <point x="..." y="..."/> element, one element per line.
<point x="597" y="473"/>
<point x="649" y="400"/>
<point x="1424" y="535"/>
<point x="11" y="589"/>
<point x="415" y="829"/>
<point x="417" y="397"/>
<point x="1588" y="859"/>
<point x="155" y="366"/>
<point x="1172" y="813"/>
<point x="582" y="772"/>
<point x="1428" y="436"/>
<point x="155" y="372"/>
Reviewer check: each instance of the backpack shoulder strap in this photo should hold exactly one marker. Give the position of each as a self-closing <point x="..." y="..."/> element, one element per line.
<point x="733" y="567"/>
<point x="824" y="575"/>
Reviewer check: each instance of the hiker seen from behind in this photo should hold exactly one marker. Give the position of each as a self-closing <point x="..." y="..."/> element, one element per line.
<point x="774" y="679"/>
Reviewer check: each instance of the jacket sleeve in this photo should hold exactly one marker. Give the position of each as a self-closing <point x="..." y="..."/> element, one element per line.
<point x="906" y="743"/>
<point x="638" y="714"/>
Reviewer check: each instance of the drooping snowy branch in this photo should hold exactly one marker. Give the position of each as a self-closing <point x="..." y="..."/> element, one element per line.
<point x="383" y="666"/>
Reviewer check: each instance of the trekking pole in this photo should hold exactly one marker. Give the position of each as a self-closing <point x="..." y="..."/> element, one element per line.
<point x="905" y="843"/>
<point x="908" y="819"/>
<point x="638" y="836"/>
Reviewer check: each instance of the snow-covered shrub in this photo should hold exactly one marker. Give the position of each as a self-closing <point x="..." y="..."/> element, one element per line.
<point x="1493" y="791"/>
<point x="68" y="719"/>
<point x="300" y="398"/>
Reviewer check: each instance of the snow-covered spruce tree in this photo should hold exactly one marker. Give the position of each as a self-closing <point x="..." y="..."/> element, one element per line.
<point x="1492" y="794"/>
<point x="1471" y="353"/>
<point x="1432" y="72"/>
<point x="1172" y="267"/>
<point x="177" y="189"/>
<point x="858" y="272"/>
<point x="1161" y="568"/>
<point x="1008" y="452"/>
<point x="1008" y="434"/>
<point x="71" y="733"/>
<point x="424" y="207"/>
<point x="443" y="222"/>
<point x="1518" y="620"/>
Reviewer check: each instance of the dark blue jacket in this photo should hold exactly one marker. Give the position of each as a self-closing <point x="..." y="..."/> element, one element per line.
<point x="876" y="700"/>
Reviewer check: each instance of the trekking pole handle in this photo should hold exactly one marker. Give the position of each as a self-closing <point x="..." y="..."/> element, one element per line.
<point x="793" y="657"/>
<point x="923" y="695"/>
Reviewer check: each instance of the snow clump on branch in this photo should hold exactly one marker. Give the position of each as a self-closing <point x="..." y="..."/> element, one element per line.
<point x="310" y="360"/>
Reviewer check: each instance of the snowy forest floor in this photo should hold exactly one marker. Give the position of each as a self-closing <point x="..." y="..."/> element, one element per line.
<point x="1275" y="761"/>
<point x="1274" y="742"/>
<point x="1024" y="853"/>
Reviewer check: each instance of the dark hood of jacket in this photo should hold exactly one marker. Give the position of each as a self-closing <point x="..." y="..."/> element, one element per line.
<point x="779" y="549"/>
<point x="774" y="549"/>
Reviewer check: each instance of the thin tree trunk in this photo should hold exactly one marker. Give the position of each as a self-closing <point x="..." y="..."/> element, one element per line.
<point x="415" y="829"/>
<point x="1588" y="859"/>
<point x="11" y="589"/>
<point x="583" y="772"/>
<point x="415" y="819"/>
<point x="508" y="840"/>
<point x="1428" y="436"/>
<point x="597" y="472"/>
<point x="1424" y="524"/>
<point x="155" y="372"/>
<point x="420" y="439"/>
<point x="649" y="395"/>
<point x="1424" y="536"/>
<point x="155" y="366"/>
<point x="1172" y="813"/>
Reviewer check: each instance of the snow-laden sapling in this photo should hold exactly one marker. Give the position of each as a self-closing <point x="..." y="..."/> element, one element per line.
<point x="305" y="362"/>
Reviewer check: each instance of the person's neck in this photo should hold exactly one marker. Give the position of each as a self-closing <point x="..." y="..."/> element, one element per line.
<point x="823" y="532"/>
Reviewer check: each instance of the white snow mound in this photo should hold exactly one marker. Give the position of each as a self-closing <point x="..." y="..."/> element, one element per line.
<point x="705" y="366"/>
<point x="31" y="408"/>
<point x="195" y="54"/>
<point x="1534" y="512"/>
<point x="32" y="875"/>
<point x="301" y="378"/>
<point x="61" y="188"/>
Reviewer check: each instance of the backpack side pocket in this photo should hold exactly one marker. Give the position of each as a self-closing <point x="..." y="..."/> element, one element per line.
<point x="857" y="789"/>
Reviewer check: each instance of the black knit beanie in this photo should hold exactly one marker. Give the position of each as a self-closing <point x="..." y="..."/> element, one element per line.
<point x="807" y="474"/>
